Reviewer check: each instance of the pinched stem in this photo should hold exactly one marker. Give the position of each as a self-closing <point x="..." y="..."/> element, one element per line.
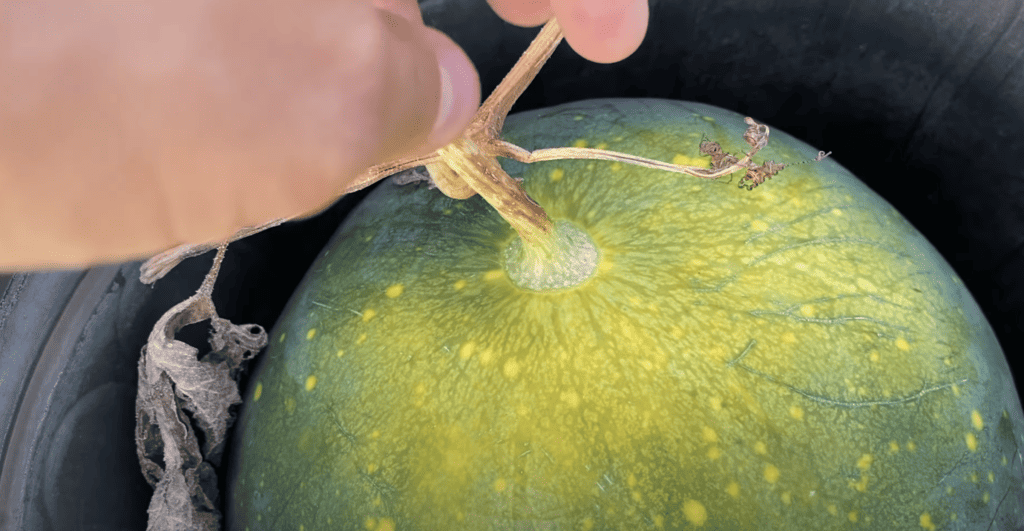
<point x="468" y="166"/>
<point x="466" y="170"/>
<point x="494" y="110"/>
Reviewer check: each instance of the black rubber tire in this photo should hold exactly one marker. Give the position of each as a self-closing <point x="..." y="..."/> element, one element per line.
<point x="924" y="100"/>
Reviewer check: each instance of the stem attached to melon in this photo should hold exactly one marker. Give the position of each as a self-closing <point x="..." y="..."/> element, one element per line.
<point x="546" y="256"/>
<point x="466" y="170"/>
<point x="467" y="166"/>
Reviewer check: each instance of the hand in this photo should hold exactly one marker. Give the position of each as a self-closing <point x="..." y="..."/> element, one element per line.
<point x="129" y="128"/>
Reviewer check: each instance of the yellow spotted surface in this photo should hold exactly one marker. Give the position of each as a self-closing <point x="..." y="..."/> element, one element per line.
<point x="793" y="357"/>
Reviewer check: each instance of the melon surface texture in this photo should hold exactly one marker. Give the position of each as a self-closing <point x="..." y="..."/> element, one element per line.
<point x="795" y="357"/>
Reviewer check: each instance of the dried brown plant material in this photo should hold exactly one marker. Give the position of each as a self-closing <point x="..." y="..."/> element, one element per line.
<point x="413" y="175"/>
<point x="719" y="158"/>
<point x="158" y="266"/>
<point x="759" y="174"/>
<point x="181" y="394"/>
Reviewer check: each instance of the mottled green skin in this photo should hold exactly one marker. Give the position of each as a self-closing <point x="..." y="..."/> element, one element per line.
<point x="793" y="357"/>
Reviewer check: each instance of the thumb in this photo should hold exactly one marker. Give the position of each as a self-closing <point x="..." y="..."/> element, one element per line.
<point x="431" y="90"/>
<point x="460" y="91"/>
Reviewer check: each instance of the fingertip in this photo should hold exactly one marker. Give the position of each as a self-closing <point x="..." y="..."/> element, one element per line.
<point x="605" y="31"/>
<point x="524" y="13"/>
<point x="459" y="94"/>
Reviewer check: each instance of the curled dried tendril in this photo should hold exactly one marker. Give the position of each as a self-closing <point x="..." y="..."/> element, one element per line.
<point x="760" y="174"/>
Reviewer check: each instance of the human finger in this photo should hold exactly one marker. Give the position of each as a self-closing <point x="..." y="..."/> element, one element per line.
<point x="602" y="31"/>
<point x="134" y="130"/>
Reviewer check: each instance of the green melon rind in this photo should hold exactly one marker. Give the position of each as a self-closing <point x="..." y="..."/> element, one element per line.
<point x="709" y="392"/>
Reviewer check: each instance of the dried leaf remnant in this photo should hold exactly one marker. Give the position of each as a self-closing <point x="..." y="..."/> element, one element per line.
<point x="176" y="390"/>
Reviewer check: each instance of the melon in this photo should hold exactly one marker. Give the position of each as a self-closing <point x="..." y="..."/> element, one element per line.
<point x="796" y="356"/>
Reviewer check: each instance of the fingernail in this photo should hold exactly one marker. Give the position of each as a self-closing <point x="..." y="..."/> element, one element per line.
<point x="460" y="92"/>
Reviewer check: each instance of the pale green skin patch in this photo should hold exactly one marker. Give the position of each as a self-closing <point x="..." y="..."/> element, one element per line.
<point x="792" y="357"/>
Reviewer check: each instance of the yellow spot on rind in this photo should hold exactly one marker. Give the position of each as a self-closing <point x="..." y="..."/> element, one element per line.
<point x="310" y="382"/>
<point x="865" y="461"/>
<point x="976" y="420"/>
<point x="680" y="159"/>
<point x="771" y="473"/>
<point x="394" y="290"/>
<point x="695" y="512"/>
<point x="972" y="442"/>
<point x="258" y="393"/>
<point x="511" y="368"/>
<point x="311" y="333"/>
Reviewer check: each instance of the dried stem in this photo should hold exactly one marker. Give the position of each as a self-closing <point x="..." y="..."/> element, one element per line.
<point x="158" y="266"/>
<point x="468" y="166"/>
<point x="495" y="109"/>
